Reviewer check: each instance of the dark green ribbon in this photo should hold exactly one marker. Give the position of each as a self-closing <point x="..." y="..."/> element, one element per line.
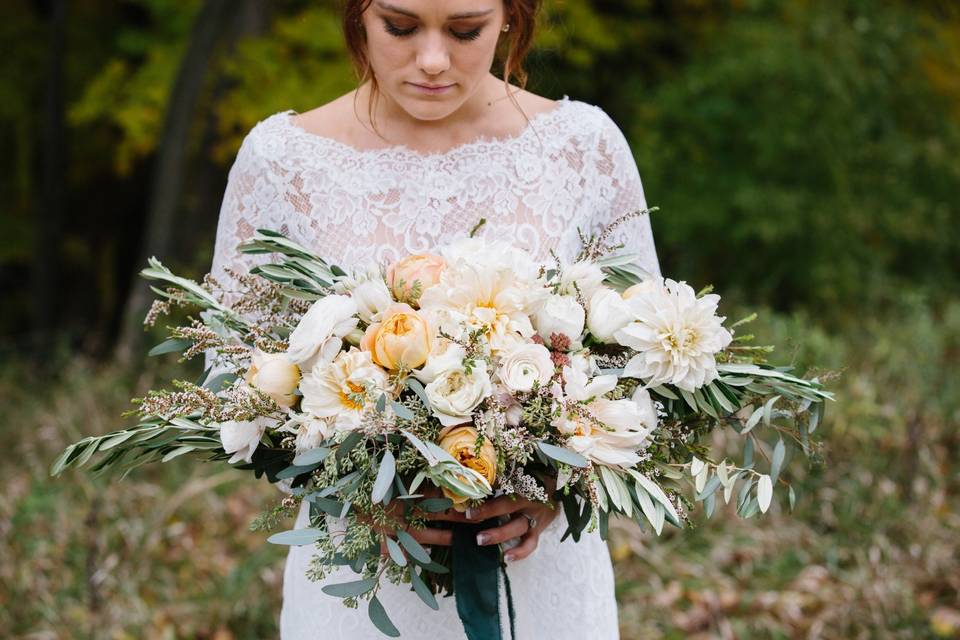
<point x="476" y="583"/>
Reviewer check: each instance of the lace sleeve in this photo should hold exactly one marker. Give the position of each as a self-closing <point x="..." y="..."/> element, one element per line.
<point x="620" y="191"/>
<point x="241" y="213"/>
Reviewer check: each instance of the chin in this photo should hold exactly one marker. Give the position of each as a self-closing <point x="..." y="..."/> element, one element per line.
<point x="429" y="109"/>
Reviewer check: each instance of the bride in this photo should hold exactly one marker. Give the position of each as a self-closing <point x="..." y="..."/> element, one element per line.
<point x="427" y="146"/>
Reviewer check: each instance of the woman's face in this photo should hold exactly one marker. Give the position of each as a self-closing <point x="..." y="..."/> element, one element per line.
<point x="430" y="56"/>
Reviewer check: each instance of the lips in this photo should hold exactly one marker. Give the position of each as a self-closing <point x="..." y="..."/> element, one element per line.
<point x="431" y="86"/>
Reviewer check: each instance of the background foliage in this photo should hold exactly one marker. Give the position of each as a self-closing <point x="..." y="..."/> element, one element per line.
<point x="804" y="154"/>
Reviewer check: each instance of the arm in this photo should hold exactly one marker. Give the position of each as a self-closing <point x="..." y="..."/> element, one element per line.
<point x="619" y="191"/>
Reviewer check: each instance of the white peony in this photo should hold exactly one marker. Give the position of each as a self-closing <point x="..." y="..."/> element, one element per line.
<point x="560" y="315"/>
<point x="607" y="314"/>
<point x="587" y="276"/>
<point x="676" y="336"/>
<point x="342" y="389"/>
<point x="489" y="286"/>
<point x="318" y="336"/>
<point x="241" y="438"/>
<point x="454" y="393"/>
<point x="525" y="365"/>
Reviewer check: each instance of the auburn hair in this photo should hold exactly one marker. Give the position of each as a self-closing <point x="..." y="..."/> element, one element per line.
<point x="512" y="49"/>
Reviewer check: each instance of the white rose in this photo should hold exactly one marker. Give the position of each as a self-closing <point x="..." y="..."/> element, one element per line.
<point x="560" y="314"/>
<point x="241" y="438"/>
<point x="587" y="276"/>
<point x="524" y="365"/>
<point x="608" y="313"/>
<point x="444" y="355"/>
<point x="372" y="297"/>
<point x="318" y="336"/>
<point x="454" y="393"/>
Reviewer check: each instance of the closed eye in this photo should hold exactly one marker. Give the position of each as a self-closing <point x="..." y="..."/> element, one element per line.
<point x="396" y="31"/>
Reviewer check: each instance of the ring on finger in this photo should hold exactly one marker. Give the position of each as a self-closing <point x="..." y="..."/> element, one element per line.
<point x="531" y="520"/>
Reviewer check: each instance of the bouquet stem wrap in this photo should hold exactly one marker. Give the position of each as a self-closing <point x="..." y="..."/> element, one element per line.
<point x="476" y="583"/>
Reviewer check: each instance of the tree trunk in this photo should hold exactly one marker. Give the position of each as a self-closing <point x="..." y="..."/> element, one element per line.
<point x="168" y="172"/>
<point x="48" y="220"/>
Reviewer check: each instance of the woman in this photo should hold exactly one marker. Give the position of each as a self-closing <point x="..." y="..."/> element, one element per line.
<point x="429" y="144"/>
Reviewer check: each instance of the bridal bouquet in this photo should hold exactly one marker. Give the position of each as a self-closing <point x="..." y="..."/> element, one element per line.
<point x="388" y="395"/>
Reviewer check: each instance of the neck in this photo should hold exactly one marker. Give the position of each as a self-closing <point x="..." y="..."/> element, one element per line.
<point x="394" y="122"/>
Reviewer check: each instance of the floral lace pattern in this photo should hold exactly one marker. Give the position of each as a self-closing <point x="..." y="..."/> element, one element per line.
<point x="570" y="169"/>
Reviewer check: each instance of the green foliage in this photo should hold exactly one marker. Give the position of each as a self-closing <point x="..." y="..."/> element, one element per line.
<point x="811" y="151"/>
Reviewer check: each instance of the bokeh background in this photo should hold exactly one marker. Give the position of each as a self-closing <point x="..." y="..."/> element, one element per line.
<point x="806" y="158"/>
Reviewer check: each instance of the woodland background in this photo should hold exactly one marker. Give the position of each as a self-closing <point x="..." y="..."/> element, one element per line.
<point x="805" y="155"/>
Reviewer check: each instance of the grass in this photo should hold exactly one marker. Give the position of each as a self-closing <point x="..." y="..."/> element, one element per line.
<point x="166" y="553"/>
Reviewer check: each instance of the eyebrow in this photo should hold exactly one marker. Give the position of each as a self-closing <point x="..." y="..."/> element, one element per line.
<point x="456" y="16"/>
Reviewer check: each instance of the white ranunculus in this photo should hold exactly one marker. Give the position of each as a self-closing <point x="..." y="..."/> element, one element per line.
<point x="371" y="296"/>
<point x="676" y="336"/>
<point x="587" y="276"/>
<point x="445" y="355"/>
<point x="525" y="365"/>
<point x="318" y="336"/>
<point x="454" y="393"/>
<point x="241" y="438"/>
<point x="607" y="314"/>
<point x="560" y="315"/>
<point x="343" y="388"/>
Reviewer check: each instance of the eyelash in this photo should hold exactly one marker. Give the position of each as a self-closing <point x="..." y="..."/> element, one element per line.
<point x="402" y="33"/>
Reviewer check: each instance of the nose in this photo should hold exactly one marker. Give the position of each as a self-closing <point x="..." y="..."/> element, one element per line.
<point x="432" y="56"/>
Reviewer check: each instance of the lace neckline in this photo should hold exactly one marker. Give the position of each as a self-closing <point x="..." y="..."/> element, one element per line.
<point x="403" y="151"/>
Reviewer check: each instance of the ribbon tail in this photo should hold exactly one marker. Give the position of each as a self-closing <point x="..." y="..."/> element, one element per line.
<point x="476" y="583"/>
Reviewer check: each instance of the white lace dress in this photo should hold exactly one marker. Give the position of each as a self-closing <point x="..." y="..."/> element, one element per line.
<point x="569" y="169"/>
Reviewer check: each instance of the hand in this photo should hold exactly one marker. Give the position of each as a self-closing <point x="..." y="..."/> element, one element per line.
<point x="523" y="513"/>
<point x="429" y="535"/>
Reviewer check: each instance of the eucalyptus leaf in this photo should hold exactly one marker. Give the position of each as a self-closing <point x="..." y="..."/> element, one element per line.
<point x="396" y="553"/>
<point x="297" y="537"/>
<point x="350" y="589"/>
<point x="423" y="591"/>
<point x="312" y="456"/>
<point x="413" y="547"/>
<point x="388" y="467"/>
<point x="379" y="617"/>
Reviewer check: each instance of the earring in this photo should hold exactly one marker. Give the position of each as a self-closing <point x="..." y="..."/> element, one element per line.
<point x="506" y="27"/>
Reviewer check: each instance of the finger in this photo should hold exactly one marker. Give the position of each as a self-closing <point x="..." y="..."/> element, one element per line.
<point x="497" y="507"/>
<point x="528" y="544"/>
<point x="517" y="526"/>
<point x="429" y="535"/>
<point x="450" y="515"/>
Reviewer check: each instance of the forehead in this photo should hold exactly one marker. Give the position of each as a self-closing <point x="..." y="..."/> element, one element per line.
<point x="439" y="9"/>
